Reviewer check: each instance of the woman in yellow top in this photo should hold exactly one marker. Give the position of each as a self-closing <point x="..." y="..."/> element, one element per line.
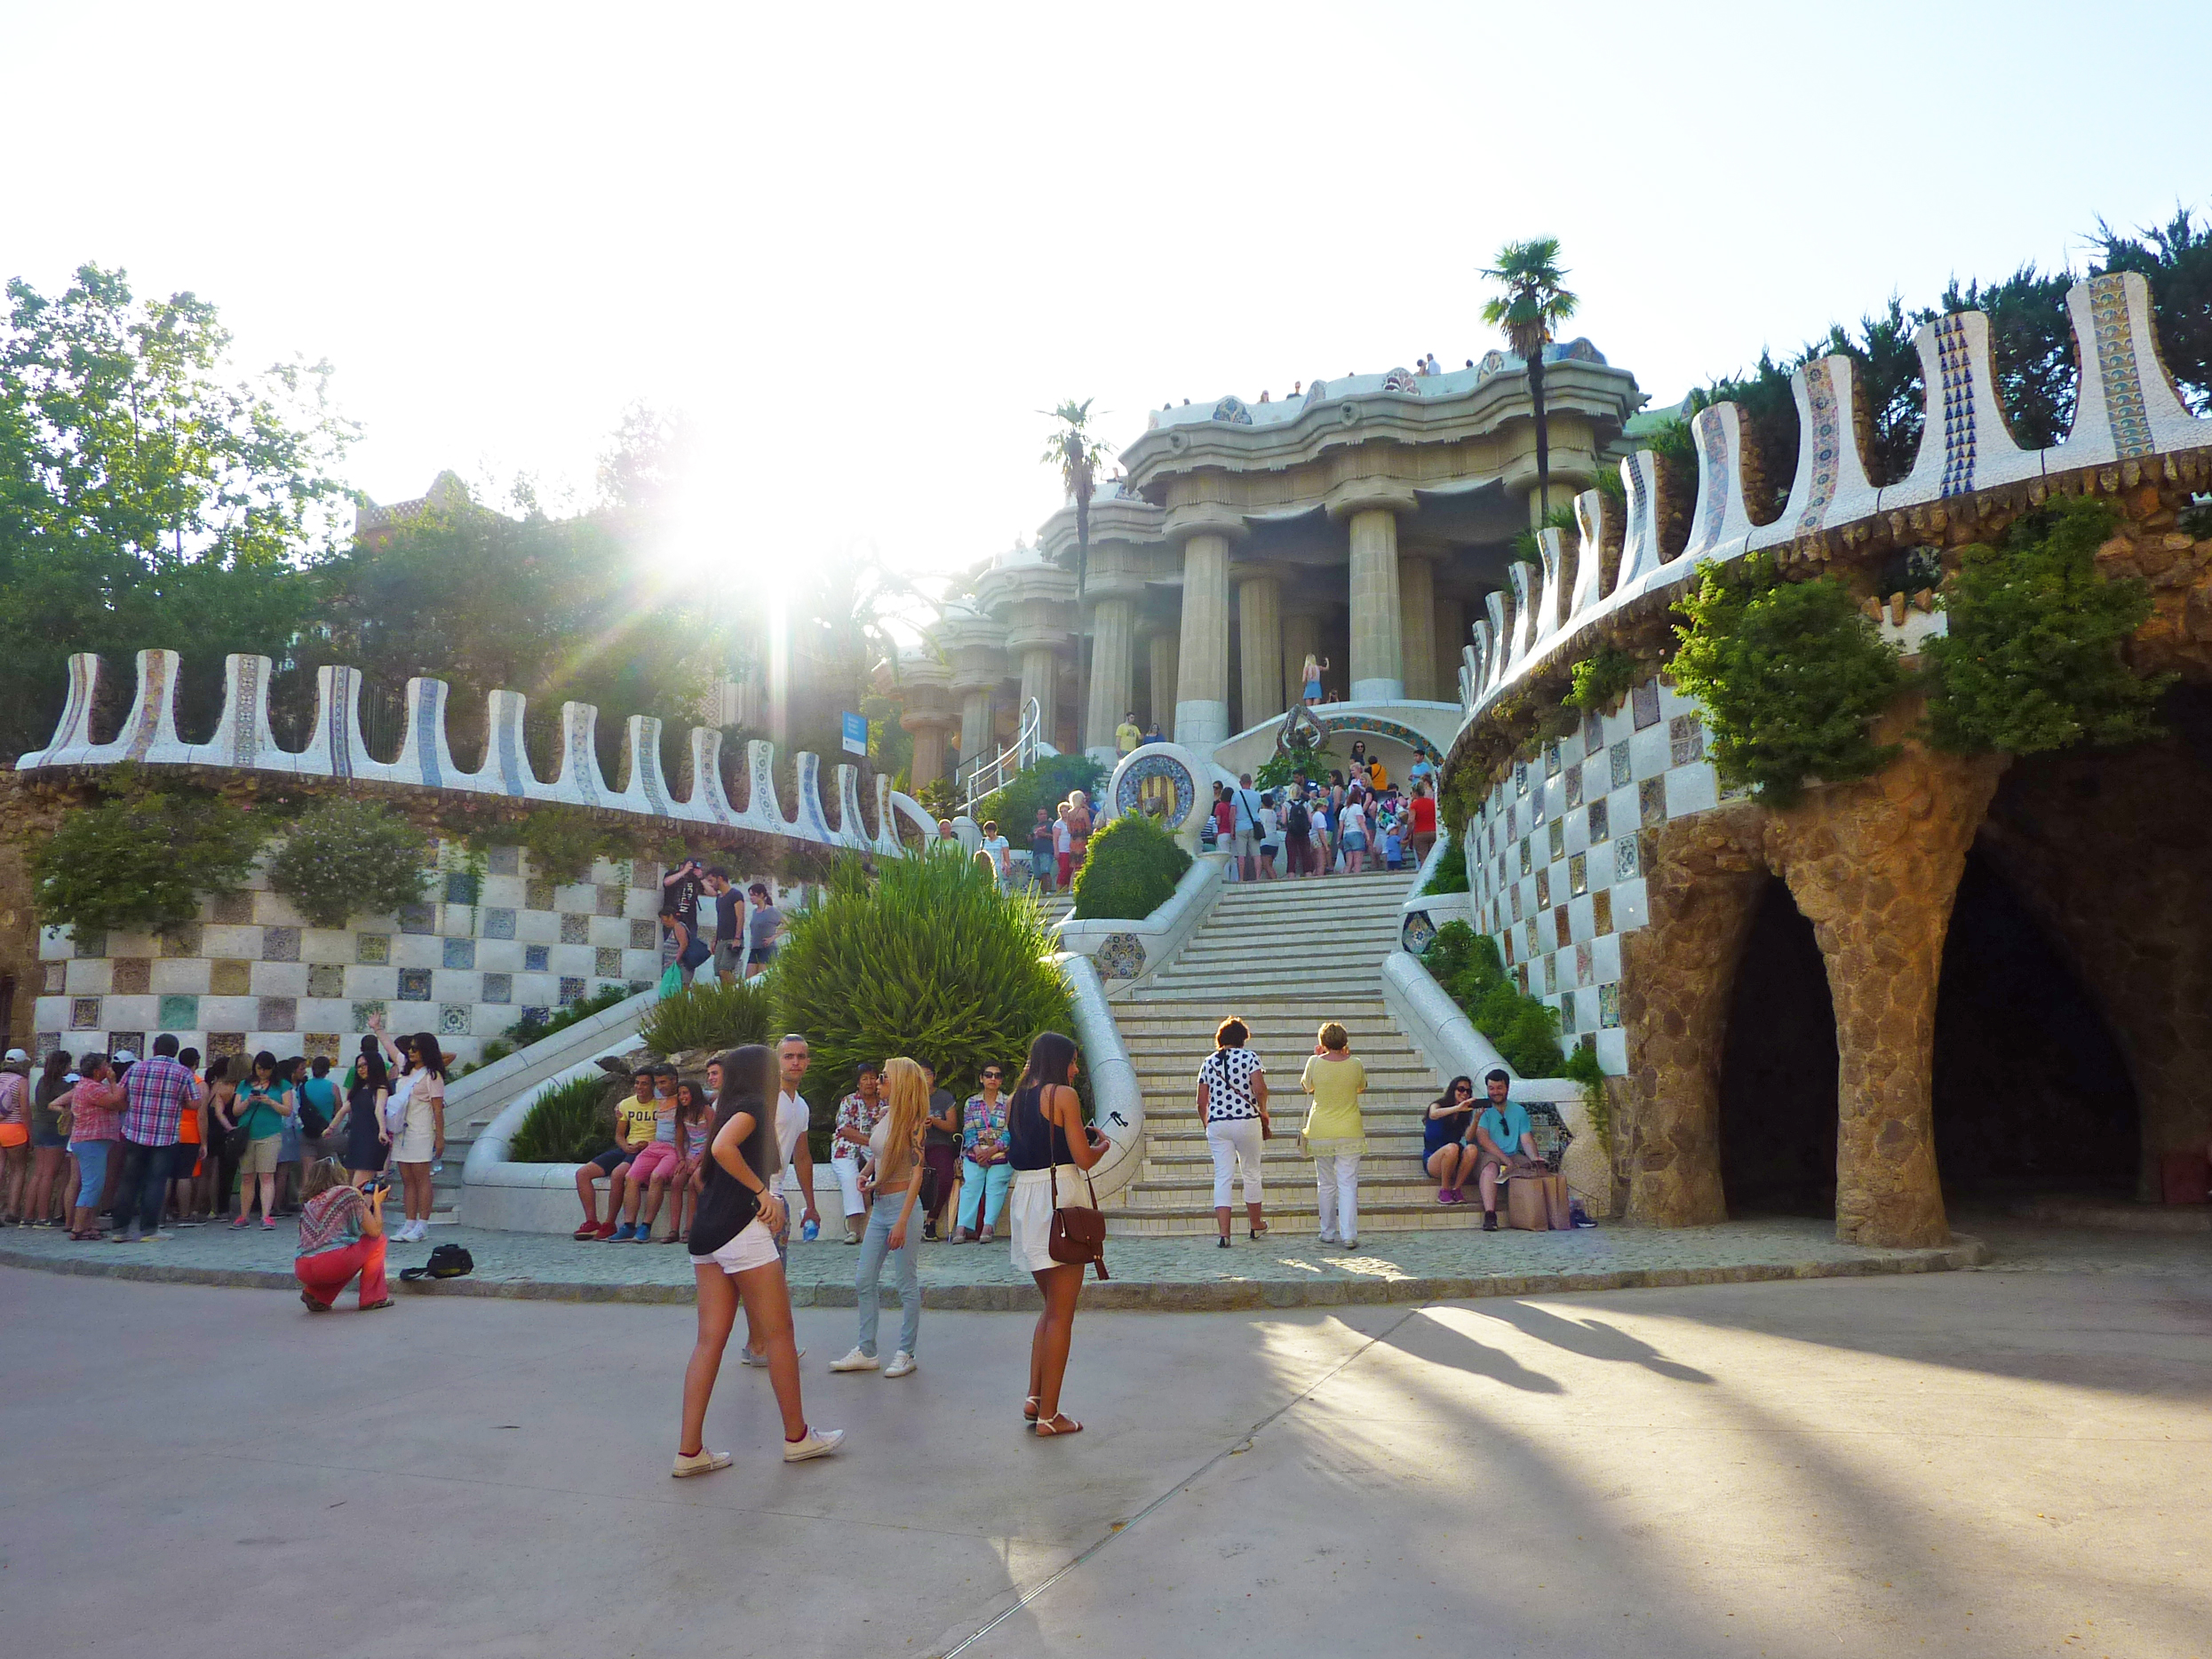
<point x="1334" y="1135"/>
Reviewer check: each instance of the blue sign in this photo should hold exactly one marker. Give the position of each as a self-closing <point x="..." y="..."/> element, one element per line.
<point x="856" y="734"/>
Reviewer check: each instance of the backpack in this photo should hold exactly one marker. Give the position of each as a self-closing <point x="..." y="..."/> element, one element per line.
<point x="448" y="1261"/>
<point x="1299" y="823"/>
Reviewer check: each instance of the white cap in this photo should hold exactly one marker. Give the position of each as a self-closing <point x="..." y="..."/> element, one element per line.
<point x="17" y="1053"/>
<point x="124" y="1057"/>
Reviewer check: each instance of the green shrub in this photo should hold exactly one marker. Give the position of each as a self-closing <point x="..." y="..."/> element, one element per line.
<point x="930" y="960"/>
<point x="715" y="1016"/>
<point x="1791" y="674"/>
<point x="343" y="857"/>
<point x="1523" y="1028"/>
<point x="532" y="1027"/>
<point x="140" y="859"/>
<point x="564" y="841"/>
<point x="1582" y="1067"/>
<point x="1132" y="869"/>
<point x="1045" y="784"/>
<point x="1450" y="876"/>
<point x="1278" y="768"/>
<point x="2034" y="659"/>
<point x="1602" y="679"/>
<point x="568" y="1123"/>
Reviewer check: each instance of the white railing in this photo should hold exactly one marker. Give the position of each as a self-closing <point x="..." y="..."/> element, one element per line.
<point x="989" y="776"/>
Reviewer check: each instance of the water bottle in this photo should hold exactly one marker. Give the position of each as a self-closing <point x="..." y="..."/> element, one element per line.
<point x="810" y="1230"/>
<point x="436" y="1164"/>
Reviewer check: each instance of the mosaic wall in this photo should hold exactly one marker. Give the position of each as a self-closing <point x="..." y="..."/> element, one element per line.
<point x="1556" y="859"/>
<point x="249" y="975"/>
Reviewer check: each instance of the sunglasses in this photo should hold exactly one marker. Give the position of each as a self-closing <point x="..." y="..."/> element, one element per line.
<point x="994" y="1072"/>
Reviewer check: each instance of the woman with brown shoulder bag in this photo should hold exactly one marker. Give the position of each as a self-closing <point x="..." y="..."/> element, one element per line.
<point x="1056" y="1227"/>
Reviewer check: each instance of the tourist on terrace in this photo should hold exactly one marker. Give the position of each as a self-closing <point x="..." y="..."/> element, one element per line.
<point x="368" y="1142"/>
<point x="733" y="1259"/>
<point x="1445" y="1151"/>
<point x="1233" y="1111"/>
<point x="764" y="930"/>
<point x="263" y="1104"/>
<point x="1127" y="736"/>
<point x="341" y="1237"/>
<point x="1312" y="677"/>
<point x="1336" y="1137"/>
<point x="1503" y="1142"/>
<point x="984" y="1173"/>
<point x="893" y="1179"/>
<point x="1044" y="1127"/>
<point x="94" y="1103"/>
<point x="1041" y="853"/>
<point x="729" y="925"/>
<point x="941" y="1154"/>
<point x="858" y="1116"/>
<point x="680" y="891"/>
<point x="690" y="950"/>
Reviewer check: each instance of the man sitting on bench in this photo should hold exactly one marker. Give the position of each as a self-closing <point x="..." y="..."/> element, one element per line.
<point x="1503" y="1143"/>
<point x="635" y="1122"/>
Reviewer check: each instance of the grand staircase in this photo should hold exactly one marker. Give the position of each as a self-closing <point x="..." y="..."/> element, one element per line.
<point x="1284" y="957"/>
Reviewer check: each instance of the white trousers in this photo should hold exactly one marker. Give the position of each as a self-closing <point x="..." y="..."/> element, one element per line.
<point x="1336" y="1176"/>
<point x="1234" y="1140"/>
<point x="848" y="1173"/>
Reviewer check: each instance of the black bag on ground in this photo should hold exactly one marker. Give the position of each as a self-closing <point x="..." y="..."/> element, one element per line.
<point x="448" y="1261"/>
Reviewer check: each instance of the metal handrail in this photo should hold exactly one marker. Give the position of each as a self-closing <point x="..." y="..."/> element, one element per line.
<point x="1009" y="762"/>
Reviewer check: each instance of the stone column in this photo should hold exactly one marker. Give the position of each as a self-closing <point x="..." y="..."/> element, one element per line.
<point x="1417" y="625"/>
<point x="1450" y="633"/>
<point x="978" y="717"/>
<point x="1301" y="637"/>
<point x="1041" y="679"/>
<point x="1160" y="657"/>
<point x="1875" y="867"/>
<point x="1378" y="670"/>
<point x="1202" y="662"/>
<point x="1113" y="653"/>
<point x="1259" y="620"/>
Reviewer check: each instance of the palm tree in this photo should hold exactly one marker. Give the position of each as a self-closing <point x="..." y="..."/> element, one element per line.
<point x="1532" y="305"/>
<point x="1077" y="451"/>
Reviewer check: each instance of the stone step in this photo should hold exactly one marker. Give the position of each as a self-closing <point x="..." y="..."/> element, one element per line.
<point x="1316" y="989"/>
<point x="1288" y="1221"/>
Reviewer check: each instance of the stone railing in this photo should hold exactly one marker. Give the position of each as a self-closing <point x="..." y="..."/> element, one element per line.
<point x="2130" y="424"/>
<point x="242" y="741"/>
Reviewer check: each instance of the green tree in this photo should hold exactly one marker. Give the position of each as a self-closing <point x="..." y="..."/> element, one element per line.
<point x="344" y="857"/>
<point x="1534" y="303"/>
<point x="142" y="857"/>
<point x="148" y="497"/>
<point x="2034" y="657"/>
<point x="1077" y="450"/>
<point x="2177" y="260"/>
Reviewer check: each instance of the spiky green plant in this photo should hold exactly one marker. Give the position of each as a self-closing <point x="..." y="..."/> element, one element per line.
<point x="568" y="1123"/>
<point x="929" y="959"/>
<point x="714" y="1016"/>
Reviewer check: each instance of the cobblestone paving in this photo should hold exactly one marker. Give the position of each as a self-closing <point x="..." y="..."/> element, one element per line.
<point x="1284" y="1270"/>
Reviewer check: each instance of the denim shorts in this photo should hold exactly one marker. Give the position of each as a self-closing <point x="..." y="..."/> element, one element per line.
<point x="1355" y="842"/>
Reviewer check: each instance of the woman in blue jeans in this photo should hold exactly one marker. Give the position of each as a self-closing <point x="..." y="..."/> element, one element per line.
<point x="892" y="1177"/>
<point x="984" y="1173"/>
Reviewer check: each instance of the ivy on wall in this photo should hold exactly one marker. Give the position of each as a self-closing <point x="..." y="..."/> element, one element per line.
<point x="2033" y="658"/>
<point x="1603" y="678"/>
<point x="1792" y="675"/>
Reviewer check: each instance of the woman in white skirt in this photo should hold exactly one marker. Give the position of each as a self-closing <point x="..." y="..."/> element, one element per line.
<point x="1044" y="1127"/>
<point x="1233" y="1106"/>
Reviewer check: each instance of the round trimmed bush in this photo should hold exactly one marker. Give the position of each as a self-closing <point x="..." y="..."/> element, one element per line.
<point x="343" y="858"/>
<point x="1131" y="871"/>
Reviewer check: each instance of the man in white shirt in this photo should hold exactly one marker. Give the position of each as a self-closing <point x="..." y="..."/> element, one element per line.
<point x="792" y="1155"/>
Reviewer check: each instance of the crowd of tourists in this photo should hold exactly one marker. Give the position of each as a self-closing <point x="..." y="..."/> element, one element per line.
<point x="1059" y="841"/>
<point x="1355" y="819"/>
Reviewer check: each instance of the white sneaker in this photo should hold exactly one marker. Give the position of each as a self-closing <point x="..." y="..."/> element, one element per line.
<point x="818" y="1443"/>
<point x="902" y="1364"/>
<point x="1326" y="1238"/>
<point x="700" y="1462"/>
<point x="857" y="1362"/>
<point x="746" y="1356"/>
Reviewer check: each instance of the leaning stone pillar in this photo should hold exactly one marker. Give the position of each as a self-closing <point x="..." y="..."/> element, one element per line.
<point x="1678" y="972"/>
<point x="1259" y="621"/>
<point x="1875" y="867"/>
<point x="1202" y="665"/>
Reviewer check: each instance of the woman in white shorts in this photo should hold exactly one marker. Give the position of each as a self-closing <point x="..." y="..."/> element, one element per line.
<point x="1233" y="1106"/>
<point x="416" y="1112"/>
<point x="1044" y="1127"/>
<point x="733" y="1259"/>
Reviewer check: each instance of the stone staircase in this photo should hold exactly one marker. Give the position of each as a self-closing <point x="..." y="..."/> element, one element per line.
<point x="1284" y="957"/>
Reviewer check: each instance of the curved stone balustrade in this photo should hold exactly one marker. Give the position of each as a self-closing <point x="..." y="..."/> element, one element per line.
<point x="2127" y="414"/>
<point x="243" y="742"/>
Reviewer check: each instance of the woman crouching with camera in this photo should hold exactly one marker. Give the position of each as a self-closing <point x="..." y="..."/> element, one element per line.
<point x="734" y="1259"/>
<point x="341" y="1234"/>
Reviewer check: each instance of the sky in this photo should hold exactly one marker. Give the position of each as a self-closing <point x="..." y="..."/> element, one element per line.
<point x="863" y="247"/>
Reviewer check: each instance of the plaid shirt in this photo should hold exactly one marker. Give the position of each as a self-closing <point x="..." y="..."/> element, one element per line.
<point x="157" y="1090"/>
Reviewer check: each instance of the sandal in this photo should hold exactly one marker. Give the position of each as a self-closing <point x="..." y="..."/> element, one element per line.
<point x="312" y="1306"/>
<point x="370" y="1307"/>
<point x="1051" y="1425"/>
<point x="1260" y="1231"/>
<point x="1028" y="1410"/>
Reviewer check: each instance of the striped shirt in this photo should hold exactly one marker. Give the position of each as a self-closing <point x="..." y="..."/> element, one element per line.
<point x="156" y="1092"/>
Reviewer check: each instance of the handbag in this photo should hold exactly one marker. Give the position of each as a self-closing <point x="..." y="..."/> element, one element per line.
<point x="1079" y="1236"/>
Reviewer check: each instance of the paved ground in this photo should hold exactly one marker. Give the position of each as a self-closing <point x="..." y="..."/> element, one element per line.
<point x="1998" y="1462"/>
<point x="1286" y="1269"/>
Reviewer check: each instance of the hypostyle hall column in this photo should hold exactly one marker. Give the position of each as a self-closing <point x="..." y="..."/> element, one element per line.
<point x="978" y="741"/>
<point x="1202" y="662"/>
<point x="1378" y="666"/>
<point x="1113" y="662"/>
<point x="1160" y="651"/>
<point x="1417" y="626"/>
<point x="1450" y="633"/>
<point x="1259" y="621"/>
<point x="1301" y="638"/>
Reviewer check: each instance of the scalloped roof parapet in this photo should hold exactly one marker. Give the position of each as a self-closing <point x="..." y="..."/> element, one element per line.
<point x="2128" y="412"/>
<point x="242" y="741"/>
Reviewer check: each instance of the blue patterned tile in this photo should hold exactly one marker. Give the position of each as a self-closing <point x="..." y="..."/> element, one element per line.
<point x="460" y="953"/>
<point x="498" y="924"/>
